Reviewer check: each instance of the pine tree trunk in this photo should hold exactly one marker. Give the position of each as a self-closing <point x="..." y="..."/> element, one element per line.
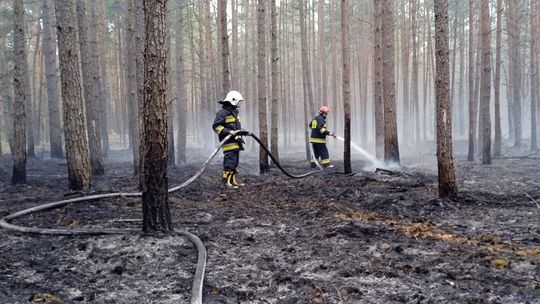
<point x="20" y="87"/>
<point x="140" y="38"/>
<point x="461" y="98"/>
<point x="391" y="146"/>
<point x="486" y="82"/>
<point x="100" y="28"/>
<point x="405" y="54"/>
<point x="534" y="74"/>
<point x="275" y="81"/>
<point x="445" y="160"/>
<point x="514" y="40"/>
<point x="132" y="92"/>
<point x="235" y="75"/>
<point x="261" y="84"/>
<point x="498" y="132"/>
<point x="72" y="101"/>
<point x="224" y="46"/>
<point x="181" y="93"/>
<point x="90" y="76"/>
<point x="49" y="49"/>
<point x="156" y="214"/>
<point x="346" y="84"/>
<point x="378" y="102"/>
<point x="322" y="50"/>
<point x="414" y="83"/>
<point x="472" y="103"/>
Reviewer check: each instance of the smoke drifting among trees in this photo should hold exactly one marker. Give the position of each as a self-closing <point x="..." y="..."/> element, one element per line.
<point x="290" y="50"/>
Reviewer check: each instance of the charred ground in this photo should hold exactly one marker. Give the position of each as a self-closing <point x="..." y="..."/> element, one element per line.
<point x="370" y="237"/>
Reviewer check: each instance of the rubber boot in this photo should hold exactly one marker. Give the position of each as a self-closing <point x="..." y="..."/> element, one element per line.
<point x="234" y="181"/>
<point x="227" y="179"/>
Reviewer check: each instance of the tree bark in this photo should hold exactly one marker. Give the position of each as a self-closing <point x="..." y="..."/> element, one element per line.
<point x="156" y="214"/>
<point x="224" y="46"/>
<point x="414" y="81"/>
<point x="181" y="93"/>
<point x="514" y="40"/>
<point x="346" y="85"/>
<point x="132" y="92"/>
<point x="445" y="160"/>
<point x="378" y="102"/>
<point x="486" y="82"/>
<point x="90" y="76"/>
<point x="20" y="87"/>
<point x="261" y="84"/>
<point x="275" y="81"/>
<point x="534" y="74"/>
<point x="472" y="99"/>
<point x="391" y="146"/>
<point x="235" y="75"/>
<point x="100" y="29"/>
<point x="405" y="54"/>
<point x="49" y="49"/>
<point x="498" y="60"/>
<point x="140" y="38"/>
<point x="72" y="102"/>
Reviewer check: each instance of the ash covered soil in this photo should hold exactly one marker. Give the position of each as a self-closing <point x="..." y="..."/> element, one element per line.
<point x="369" y="237"/>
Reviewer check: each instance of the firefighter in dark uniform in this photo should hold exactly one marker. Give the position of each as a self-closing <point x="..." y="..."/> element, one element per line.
<point x="227" y="122"/>
<point x="318" y="138"/>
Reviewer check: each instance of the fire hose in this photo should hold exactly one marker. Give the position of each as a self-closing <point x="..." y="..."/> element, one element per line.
<point x="196" y="291"/>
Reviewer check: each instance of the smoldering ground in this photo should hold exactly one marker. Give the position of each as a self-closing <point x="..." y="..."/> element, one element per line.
<point x="369" y="237"/>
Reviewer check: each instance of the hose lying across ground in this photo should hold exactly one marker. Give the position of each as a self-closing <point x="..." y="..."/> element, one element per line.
<point x="196" y="291"/>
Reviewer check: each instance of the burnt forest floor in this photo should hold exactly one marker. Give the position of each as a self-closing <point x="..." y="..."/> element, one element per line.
<point x="369" y="237"/>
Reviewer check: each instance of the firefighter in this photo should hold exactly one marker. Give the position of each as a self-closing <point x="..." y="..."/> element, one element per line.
<point x="319" y="132"/>
<point x="227" y="122"/>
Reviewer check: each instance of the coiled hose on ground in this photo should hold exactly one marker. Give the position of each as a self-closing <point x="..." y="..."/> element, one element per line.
<point x="196" y="291"/>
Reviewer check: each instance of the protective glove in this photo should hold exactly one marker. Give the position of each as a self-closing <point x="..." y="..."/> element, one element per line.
<point x="242" y="133"/>
<point x="333" y="134"/>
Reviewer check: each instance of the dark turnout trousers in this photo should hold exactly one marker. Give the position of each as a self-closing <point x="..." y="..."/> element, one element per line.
<point x="230" y="160"/>
<point x="321" y="153"/>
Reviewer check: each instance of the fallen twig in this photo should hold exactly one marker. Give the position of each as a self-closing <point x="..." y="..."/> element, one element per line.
<point x="532" y="198"/>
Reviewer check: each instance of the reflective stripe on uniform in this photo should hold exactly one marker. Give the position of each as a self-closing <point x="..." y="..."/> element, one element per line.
<point x="323" y="130"/>
<point x="317" y="140"/>
<point x="314" y="124"/>
<point x="219" y="129"/>
<point x="230" y="119"/>
<point x="230" y="147"/>
<point x="325" y="161"/>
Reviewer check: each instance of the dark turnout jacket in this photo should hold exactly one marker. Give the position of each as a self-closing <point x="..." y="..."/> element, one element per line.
<point x="318" y="130"/>
<point x="227" y="120"/>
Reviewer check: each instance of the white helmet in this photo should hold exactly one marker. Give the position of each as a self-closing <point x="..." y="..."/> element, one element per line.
<point x="234" y="98"/>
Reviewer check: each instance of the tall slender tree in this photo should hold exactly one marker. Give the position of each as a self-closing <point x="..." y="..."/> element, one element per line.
<point x="20" y="87"/>
<point x="514" y="41"/>
<point x="391" y="146"/>
<point x="445" y="159"/>
<point x="75" y="133"/>
<point x="181" y="93"/>
<point x="309" y="104"/>
<point x="132" y="91"/>
<point x="497" y="82"/>
<point x="224" y="46"/>
<point x="156" y="213"/>
<point x="90" y="76"/>
<point x="49" y="52"/>
<point x="275" y="81"/>
<point x="486" y="82"/>
<point x="534" y="73"/>
<point x="472" y="100"/>
<point x="378" y="102"/>
<point x="261" y="83"/>
<point x="345" y="55"/>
